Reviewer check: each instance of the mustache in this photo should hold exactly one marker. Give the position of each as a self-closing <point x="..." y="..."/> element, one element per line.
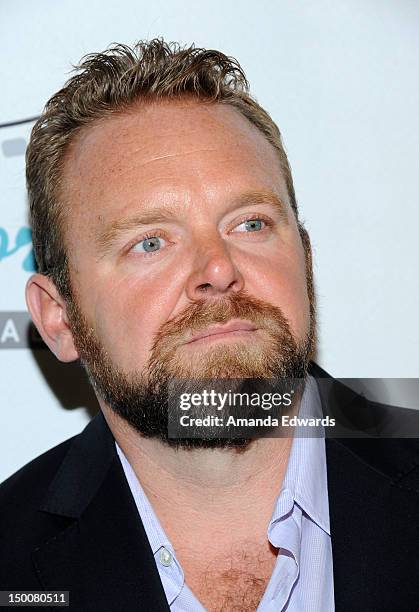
<point x="197" y="316"/>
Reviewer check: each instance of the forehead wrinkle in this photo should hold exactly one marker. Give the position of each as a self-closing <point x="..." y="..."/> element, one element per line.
<point x="170" y="155"/>
<point x="157" y="158"/>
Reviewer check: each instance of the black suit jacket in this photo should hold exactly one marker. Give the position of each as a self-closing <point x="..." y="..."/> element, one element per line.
<point x="68" y="520"/>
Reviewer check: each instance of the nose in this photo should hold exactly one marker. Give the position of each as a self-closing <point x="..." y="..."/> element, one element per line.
<point x="214" y="272"/>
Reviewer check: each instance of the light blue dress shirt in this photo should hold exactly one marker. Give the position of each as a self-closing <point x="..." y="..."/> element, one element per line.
<point x="302" y="579"/>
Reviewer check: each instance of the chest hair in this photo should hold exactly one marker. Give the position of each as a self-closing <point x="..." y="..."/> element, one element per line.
<point x="233" y="582"/>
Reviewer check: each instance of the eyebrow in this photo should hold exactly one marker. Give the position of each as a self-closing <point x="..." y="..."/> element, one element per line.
<point x="107" y="237"/>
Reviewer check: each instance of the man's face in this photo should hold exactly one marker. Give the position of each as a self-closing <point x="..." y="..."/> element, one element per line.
<point x="179" y="220"/>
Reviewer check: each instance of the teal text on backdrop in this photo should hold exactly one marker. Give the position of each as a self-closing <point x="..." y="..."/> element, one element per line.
<point x="22" y="238"/>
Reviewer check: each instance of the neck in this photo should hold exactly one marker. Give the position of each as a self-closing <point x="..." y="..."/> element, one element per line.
<point x="220" y="485"/>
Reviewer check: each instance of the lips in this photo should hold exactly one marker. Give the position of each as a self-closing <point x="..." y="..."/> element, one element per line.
<point x="231" y="326"/>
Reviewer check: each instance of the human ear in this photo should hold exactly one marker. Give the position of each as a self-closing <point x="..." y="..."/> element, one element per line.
<point x="48" y="311"/>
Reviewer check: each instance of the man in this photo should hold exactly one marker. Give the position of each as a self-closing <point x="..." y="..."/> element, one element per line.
<point x="169" y="248"/>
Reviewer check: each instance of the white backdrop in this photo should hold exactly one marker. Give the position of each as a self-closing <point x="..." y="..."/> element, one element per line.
<point x="340" y="79"/>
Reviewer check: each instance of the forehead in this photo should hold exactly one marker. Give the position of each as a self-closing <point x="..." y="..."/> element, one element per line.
<point x="181" y="150"/>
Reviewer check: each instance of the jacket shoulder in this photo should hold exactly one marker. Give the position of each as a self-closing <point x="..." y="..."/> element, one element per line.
<point x="25" y="489"/>
<point x="23" y="526"/>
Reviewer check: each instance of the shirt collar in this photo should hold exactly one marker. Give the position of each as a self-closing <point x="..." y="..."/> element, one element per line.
<point x="155" y="532"/>
<point x="305" y="481"/>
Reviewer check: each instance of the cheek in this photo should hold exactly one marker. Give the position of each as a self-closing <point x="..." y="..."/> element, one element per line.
<point x="129" y="316"/>
<point x="281" y="281"/>
<point x="293" y="299"/>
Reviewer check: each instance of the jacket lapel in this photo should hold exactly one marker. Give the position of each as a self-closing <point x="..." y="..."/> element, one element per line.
<point x="354" y="516"/>
<point x="102" y="556"/>
<point x="373" y="486"/>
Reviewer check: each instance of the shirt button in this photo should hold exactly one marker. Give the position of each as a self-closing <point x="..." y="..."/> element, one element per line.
<point x="166" y="557"/>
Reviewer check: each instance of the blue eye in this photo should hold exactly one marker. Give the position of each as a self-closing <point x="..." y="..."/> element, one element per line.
<point x="149" y="244"/>
<point x="251" y="225"/>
